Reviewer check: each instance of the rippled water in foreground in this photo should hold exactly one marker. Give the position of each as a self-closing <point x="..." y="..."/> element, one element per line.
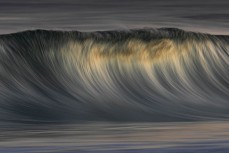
<point x="116" y="137"/>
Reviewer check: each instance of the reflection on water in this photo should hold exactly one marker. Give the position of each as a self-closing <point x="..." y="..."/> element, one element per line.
<point x="117" y="137"/>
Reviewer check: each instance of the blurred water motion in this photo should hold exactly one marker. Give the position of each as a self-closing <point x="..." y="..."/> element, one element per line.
<point x="116" y="137"/>
<point x="140" y="75"/>
<point x="112" y="83"/>
<point x="156" y="75"/>
<point x="91" y="15"/>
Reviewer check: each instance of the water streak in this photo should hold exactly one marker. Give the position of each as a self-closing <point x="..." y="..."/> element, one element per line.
<point x="134" y="75"/>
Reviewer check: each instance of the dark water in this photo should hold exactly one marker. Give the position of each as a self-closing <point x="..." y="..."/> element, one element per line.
<point x="160" y="90"/>
<point x="204" y="16"/>
<point x="94" y="137"/>
<point x="136" y="75"/>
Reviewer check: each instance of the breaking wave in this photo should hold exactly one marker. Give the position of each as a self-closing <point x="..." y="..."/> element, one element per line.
<point x="137" y="75"/>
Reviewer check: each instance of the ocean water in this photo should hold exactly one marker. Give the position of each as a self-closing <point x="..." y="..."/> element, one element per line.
<point x="140" y="91"/>
<point x="103" y="137"/>
<point x="91" y="15"/>
<point x="123" y="76"/>
<point x="141" y="75"/>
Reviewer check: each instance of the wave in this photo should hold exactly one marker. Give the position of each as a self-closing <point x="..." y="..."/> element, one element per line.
<point x="162" y="74"/>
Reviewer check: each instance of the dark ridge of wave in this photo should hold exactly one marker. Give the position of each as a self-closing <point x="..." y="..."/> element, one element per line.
<point x="162" y="74"/>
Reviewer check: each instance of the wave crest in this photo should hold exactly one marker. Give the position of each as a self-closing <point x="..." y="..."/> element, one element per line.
<point x="135" y="75"/>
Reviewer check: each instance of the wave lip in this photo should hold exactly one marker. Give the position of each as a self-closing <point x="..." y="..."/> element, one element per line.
<point x="164" y="74"/>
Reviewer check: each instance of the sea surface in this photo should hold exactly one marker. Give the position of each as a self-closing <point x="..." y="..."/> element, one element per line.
<point x="122" y="76"/>
<point x="99" y="137"/>
<point x="138" y="91"/>
<point x="91" y="15"/>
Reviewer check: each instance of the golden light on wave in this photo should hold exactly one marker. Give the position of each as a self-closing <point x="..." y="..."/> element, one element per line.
<point x="121" y="74"/>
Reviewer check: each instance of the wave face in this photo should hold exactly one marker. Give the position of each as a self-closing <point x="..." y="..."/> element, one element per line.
<point x="135" y="75"/>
